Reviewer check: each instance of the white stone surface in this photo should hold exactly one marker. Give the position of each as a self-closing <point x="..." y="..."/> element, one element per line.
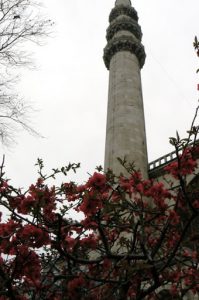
<point x="125" y="134"/>
<point x="123" y="2"/>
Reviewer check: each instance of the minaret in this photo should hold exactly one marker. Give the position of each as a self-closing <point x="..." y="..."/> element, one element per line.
<point x="124" y="56"/>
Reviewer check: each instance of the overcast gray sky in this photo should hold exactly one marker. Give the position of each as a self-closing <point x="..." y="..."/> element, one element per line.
<point x="69" y="87"/>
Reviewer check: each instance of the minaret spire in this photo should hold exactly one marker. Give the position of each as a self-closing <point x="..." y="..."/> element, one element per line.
<point x="123" y="2"/>
<point x="124" y="56"/>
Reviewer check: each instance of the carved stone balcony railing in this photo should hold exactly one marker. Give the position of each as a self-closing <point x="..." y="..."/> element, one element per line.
<point x="163" y="160"/>
<point x="156" y="167"/>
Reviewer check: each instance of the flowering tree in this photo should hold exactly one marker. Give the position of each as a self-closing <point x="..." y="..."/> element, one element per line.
<point x="134" y="238"/>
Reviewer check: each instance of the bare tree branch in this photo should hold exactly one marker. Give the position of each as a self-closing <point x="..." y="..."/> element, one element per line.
<point x="21" y="23"/>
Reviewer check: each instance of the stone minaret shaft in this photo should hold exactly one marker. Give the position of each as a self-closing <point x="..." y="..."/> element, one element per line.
<point x="124" y="56"/>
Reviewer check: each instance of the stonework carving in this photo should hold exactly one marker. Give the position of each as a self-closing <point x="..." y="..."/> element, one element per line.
<point x="124" y="18"/>
<point x="124" y="23"/>
<point x="124" y="43"/>
<point x="123" y="10"/>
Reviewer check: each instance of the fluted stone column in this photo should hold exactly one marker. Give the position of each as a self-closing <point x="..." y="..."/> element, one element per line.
<point x="124" y="56"/>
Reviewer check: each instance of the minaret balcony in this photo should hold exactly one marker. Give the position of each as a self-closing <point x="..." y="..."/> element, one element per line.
<point x="123" y="10"/>
<point x="124" y="23"/>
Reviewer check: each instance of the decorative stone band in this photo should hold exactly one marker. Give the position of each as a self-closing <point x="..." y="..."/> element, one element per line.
<point x="123" y="10"/>
<point x="124" y="43"/>
<point x="124" y="23"/>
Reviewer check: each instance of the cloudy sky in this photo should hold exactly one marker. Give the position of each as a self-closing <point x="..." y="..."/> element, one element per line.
<point x="69" y="87"/>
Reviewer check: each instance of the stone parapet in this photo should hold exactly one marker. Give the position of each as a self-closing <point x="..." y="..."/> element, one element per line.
<point x="156" y="167"/>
